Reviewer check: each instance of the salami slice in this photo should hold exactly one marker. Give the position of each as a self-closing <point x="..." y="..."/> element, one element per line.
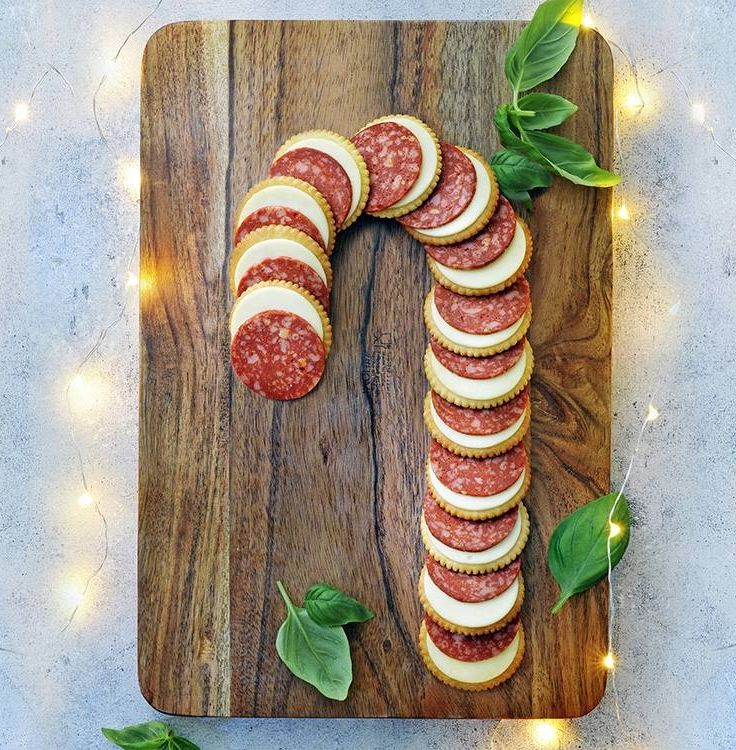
<point x="465" y="587"/>
<point x="278" y="355"/>
<point x="287" y="269"/>
<point x="478" y="368"/>
<point x="463" y="534"/>
<point x="481" y="421"/>
<point x="477" y="477"/>
<point x="393" y="156"/>
<point x="322" y="172"/>
<point x="485" y="246"/>
<point x="472" y="647"/>
<point x="484" y="314"/>
<point x="279" y="216"/>
<point x="452" y="195"/>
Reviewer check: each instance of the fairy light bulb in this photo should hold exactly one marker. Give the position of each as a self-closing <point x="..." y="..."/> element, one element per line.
<point x="633" y="102"/>
<point x="544" y="733"/>
<point x="614" y="529"/>
<point x="78" y="384"/>
<point x="698" y="111"/>
<point x="72" y="593"/>
<point x="587" y="22"/>
<point x="132" y="280"/>
<point x="129" y="174"/>
<point x="652" y="413"/>
<point x="609" y="661"/>
<point x="85" y="500"/>
<point x="22" y="112"/>
<point x="623" y="213"/>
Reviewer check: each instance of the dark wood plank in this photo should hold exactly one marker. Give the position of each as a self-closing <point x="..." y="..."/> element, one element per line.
<point x="237" y="492"/>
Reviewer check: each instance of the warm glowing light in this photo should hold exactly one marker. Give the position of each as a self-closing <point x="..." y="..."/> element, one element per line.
<point x="22" y="111"/>
<point x="588" y="22"/>
<point x="622" y="212"/>
<point x="146" y="282"/>
<point x="85" y="500"/>
<point x="675" y="309"/>
<point x="132" y="279"/>
<point x="84" y="393"/>
<point x="609" y="661"/>
<point x="652" y="413"/>
<point x="614" y="529"/>
<point x="110" y="69"/>
<point x="544" y="733"/>
<point x="78" y="384"/>
<point x="129" y="174"/>
<point x="699" y="113"/>
<point x="633" y="102"/>
<point x="72" y="593"/>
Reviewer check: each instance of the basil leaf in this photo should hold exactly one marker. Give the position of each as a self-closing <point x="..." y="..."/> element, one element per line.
<point x="315" y="653"/>
<point x="327" y="605"/>
<point x="577" y="555"/>
<point x="569" y="160"/>
<point x="150" y="736"/>
<point x="516" y="173"/>
<point x="509" y="137"/>
<point x="549" y="110"/>
<point x="520" y="197"/>
<point x="544" y="45"/>
<point x="181" y="743"/>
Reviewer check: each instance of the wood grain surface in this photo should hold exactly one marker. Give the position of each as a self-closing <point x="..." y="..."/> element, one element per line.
<point x="236" y="491"/>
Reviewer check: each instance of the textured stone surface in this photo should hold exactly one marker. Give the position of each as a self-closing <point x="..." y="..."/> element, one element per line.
<point x="69" y="231"/>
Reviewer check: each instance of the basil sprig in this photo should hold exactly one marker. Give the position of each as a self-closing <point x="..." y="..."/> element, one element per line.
<point x="539" y="53"/>
<point x="327" y="605"/>
<point x="577" y="555"/>
<point x="154" y="735"/>
<point x="312" y="643"/>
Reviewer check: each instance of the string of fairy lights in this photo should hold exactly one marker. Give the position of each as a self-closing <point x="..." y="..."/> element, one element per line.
<point x="543" y="733"/>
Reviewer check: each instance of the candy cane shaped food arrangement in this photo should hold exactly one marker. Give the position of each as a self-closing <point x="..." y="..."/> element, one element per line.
<point x="478" y="362"/>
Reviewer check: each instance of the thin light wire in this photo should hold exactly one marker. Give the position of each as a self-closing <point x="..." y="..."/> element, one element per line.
<point x="708" y="127"/>
<point x="611" y="598"/>
<point x="99" y="341"/>
<point x="49" y="69"/>
<point x="104" y="77"/>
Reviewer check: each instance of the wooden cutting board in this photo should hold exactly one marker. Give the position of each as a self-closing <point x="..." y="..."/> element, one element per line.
<point x="236" y="491"/>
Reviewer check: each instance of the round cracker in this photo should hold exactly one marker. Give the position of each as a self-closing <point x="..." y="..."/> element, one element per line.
<point x="478" y="224"/>
<point x="305" y="187"/>
<point x="470" y="403"/>
<point x="462" y="450"/>
<point x="277" y="231"/>
<point x="453" y="628"/>
<point x="393" y="213"/>
<point x="483" y="515"/>
<point x="502" y="562"/>
<point x="470" y="686"/>
<point x="326" y="326"/>
<point x="473" y="351"/>
<point x="341" y="140"/>
<point x="442" y="279"/>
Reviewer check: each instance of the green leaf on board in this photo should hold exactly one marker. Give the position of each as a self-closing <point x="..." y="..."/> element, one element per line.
<point x="545" y="110"/>
<point x="315" y="653"/>
<point x="577" y="554"/>
<point x="328" y="605"/>
<point x="544" y="45"/>
<point x="509" y="137"/>
<point x="517" y="175"/>
<point x="568" y="159"/>
<point x="150" y="736"/>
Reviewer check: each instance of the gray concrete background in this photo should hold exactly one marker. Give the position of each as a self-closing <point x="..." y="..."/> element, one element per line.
<point x="68" y="229"/>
